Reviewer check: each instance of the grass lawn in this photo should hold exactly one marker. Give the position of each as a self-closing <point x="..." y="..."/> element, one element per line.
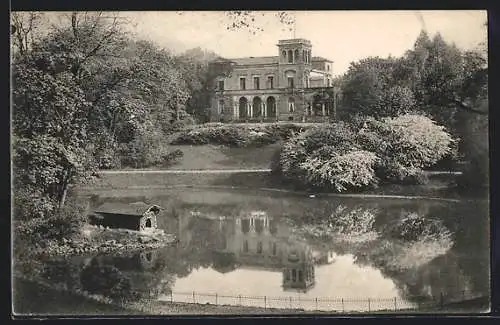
<point x="205" y="157"/>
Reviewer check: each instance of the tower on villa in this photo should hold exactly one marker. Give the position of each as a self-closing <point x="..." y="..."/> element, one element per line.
<point x="292" y="86"/>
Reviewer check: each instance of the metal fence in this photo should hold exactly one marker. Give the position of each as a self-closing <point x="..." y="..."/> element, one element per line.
<point x="314" y="304"/>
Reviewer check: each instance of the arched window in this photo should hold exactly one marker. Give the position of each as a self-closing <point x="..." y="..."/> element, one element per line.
<point x="290" y="56"/>
<point x="283" y="54"/>
<point x="243" y="103"/>
<point x="304" y="56"/>
<point x="294" y="275"/>
<point x="221" y="106"/>
<point x="245" y="246"/>
<point x="271" y="106"/>
<point x="296" y="56"/>
<point x="291" y="104"/>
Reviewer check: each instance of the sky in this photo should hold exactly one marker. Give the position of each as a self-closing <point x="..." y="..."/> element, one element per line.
<point x="341" y="36"/>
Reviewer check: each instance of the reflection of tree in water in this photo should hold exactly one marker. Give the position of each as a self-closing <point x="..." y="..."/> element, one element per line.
<point x="426" y="268"/>
<point x="470" y="224"/>
<point x="106" y="280"/>
<point x="62" y="272"/>
<point x="421" y="266"/>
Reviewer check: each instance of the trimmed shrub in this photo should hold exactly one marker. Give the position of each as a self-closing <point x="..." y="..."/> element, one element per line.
<point x="238" y="135"/>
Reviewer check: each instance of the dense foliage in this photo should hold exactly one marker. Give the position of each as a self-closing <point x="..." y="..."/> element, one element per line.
<point x="435" y="79"/>
<point x="328" y="157"/>
<point x="86" y="96"/>
<point x="405" y="144"/>
<point x="341" y="157"/>
<point x="414" y="227"/>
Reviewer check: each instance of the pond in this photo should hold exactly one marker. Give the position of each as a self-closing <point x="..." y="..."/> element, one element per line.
<point x="265" y="249"/>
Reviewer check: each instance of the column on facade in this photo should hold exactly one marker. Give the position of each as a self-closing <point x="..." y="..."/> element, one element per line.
<point x="251" y="110"/>
<point x="235" y="111"/>
<point x="323" y="110"/>
<point x="264" y="109"/>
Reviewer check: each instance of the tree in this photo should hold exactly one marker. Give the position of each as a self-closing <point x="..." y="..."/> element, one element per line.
<point x="248" y="20"/>
<point x="194" y="68"/>
<point x="50" y="145"/>
<point x="24" y="30"/>
<point x="445" y="79"/>
<point x="371" y="88"/>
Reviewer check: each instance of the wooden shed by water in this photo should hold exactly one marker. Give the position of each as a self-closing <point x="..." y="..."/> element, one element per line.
<point x="137" y="216"/>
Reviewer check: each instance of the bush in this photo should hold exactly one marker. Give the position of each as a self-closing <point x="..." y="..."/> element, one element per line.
<point x="405" y="145"/>
<point x="328" y="156"/>
<point x="34" y="230"/>
<point x="172" y="157"/>
<point x="147" y="149"/>
<point x="238" y="135"/>
<point x="28" y="204"/>
<point x="341" y="172"/>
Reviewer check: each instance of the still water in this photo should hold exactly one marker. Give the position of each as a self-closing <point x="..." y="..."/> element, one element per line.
<point x="245" y="247"/>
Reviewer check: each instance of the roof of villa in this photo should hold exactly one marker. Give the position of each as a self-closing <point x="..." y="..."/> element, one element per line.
<point x="131" y="209"/>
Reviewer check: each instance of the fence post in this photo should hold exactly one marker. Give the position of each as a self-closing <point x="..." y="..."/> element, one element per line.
<point x="316" y="303"/>
<point x="441" y="300"/>
<point x="369" y="307"/>
<point x="290" y="302"/>
<point x="265" y="304"/>
<point x="463" y="294"/>
<point x="343" y="309"/>
<point x="171" y="296"/>
<point x="194" y="300"/>
<point x="240" y="298"/>
<point x="216" y="300"/>
<point x="395" y="304"/>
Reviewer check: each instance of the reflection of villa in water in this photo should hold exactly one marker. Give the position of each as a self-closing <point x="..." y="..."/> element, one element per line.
<point x="258" y="241"/>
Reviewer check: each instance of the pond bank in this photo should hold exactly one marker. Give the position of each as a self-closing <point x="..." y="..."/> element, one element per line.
<point x="102" y="240"/>
<point x="47" y="301"/>
<point x="440" y="185"/>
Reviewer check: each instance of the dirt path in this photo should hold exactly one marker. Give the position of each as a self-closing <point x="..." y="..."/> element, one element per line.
<point x="192" y="171"/>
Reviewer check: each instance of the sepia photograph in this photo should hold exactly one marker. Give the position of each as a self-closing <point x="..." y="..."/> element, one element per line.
<point x="249" y="163"/>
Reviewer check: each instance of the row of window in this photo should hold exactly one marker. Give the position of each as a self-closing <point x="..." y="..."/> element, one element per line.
<point x="291" y="105"/>
<point x="256" y="83"/>
<point x="270" y="83"/>
<point x="259" y="247"/>
<point x="293" y="56"/>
